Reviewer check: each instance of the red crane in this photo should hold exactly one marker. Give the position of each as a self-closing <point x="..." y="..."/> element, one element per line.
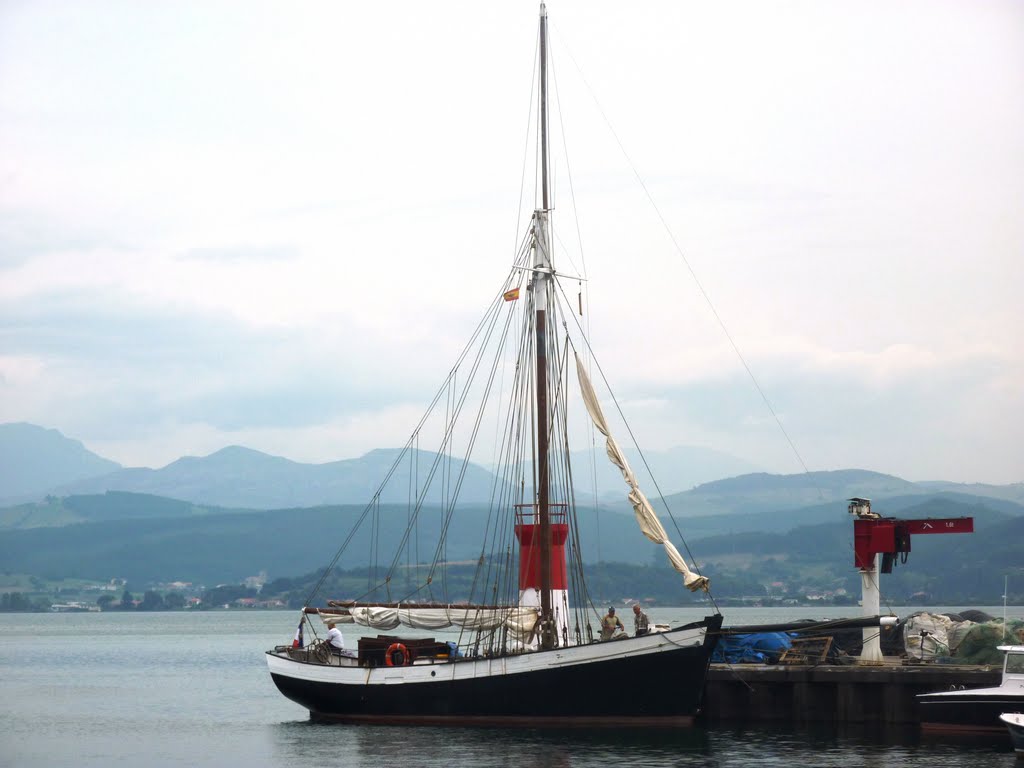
<point x="877" y="543"/>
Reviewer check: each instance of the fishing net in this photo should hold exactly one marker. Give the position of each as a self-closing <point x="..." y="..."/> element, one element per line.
<point x="980" y="644"/>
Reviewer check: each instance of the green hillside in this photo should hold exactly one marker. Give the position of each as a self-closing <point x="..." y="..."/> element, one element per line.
<point x="151" y="540"/>
<point x="92" y="508"/>
<point x="761" y="492"/>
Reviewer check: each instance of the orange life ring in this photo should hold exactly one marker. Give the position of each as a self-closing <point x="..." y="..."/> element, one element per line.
<point x="397" y="655"/>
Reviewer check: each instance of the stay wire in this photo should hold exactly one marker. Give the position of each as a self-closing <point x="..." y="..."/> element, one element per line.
<point x="636" y="445"/>
<point x="696" y="280"/>
<point x="413" y="440"/>
<point x="584" y="289"/>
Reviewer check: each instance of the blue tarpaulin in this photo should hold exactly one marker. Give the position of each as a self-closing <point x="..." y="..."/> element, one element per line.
<point x="759" y="648"/>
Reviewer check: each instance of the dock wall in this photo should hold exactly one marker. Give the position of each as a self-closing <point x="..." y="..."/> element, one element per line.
<point x="850" y="694"/>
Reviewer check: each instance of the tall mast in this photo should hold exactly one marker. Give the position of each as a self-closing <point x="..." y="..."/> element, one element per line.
<point x="544" y="106"/>
<point x="542" y="281"/>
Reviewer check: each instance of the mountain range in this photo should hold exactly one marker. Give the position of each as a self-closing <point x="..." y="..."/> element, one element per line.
<point x="40" y="462"/>
<point x="149" y="540"/>
<point x="34" y="460"/>
<point x="207" y="520"/>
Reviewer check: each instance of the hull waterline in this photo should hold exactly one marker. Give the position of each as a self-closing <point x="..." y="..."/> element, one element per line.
<point x="967" y="712"/>
<point x="657" y="680"/>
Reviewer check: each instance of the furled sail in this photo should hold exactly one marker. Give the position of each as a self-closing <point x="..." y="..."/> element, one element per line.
<point x="645" y="515"/>
<point x="518" y="620"/>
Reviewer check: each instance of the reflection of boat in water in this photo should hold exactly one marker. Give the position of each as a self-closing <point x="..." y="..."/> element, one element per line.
<point x="307" y="743"/>
<point x="977" y="709"/>
<point x="1014" y="723"/>
<point x="527" y="651"/>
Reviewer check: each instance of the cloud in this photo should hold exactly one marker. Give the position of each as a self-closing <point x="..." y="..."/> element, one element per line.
<point x="952" y="421"/>
<point x="241" y="253"/>
<point x="277" y="226"/>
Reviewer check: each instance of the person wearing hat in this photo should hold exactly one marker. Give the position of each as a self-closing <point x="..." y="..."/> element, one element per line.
<point x="334" y="637"/>
<point x="610" y="623"/>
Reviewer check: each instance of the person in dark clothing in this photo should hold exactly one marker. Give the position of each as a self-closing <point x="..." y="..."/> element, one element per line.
<point x="641" y="623"/>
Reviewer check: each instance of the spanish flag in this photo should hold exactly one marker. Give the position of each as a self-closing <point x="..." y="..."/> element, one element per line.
<point x="512" y="295"/>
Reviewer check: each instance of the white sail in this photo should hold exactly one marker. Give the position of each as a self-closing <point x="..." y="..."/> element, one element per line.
<point x="645" y="515"/>
<point x="519" y="620"/>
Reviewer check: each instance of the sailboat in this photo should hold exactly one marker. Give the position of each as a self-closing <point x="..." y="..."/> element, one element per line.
<point x="527" y="646"/>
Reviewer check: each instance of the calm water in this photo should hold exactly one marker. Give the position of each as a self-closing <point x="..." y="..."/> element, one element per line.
<point x="178" y="689"/>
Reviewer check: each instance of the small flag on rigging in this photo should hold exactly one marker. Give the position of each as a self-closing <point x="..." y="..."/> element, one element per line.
<point x="512" y="295"/>
<point x="297" y="642"/>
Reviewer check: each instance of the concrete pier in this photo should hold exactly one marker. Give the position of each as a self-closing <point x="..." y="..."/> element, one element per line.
<point x="848" y="694"/>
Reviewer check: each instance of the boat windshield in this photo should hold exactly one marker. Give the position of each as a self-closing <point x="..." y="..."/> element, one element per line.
<point x="1015" y="663"/>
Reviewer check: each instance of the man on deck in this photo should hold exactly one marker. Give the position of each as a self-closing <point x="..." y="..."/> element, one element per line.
<point x="335" y="639"/>
<point x="610" y="623"/>
<point x="641" y="623"/>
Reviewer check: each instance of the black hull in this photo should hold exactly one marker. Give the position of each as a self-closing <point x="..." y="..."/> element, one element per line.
<point x="960" y="712"/>
<point x="663" y="688"/>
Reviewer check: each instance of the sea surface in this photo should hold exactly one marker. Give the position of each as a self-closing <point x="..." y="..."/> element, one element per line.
<point x="192" y="689"/>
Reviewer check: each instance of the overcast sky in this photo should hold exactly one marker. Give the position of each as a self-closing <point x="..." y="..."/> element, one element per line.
<point x="274" y="224"/>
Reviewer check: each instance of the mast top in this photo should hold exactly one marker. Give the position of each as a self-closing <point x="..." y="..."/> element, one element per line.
<point x="546" y="205"/>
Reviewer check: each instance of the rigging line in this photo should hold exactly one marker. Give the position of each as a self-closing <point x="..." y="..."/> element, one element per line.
<point x="632" y="437"/>
<point x="408" y="507"/>
<point x="565" y="250"/>
<point x="526" y="142"/>
<point x="414" y="438"/>
<point x="475" y="431"/>
<point x="522" y="254"/>
<point x="575" y="553"/>
<point x="416" y="534"/>
<point x="492" y="313"/>
<point x="488" y="321"/>
<point x="696" y="280"/>
<point x="498" y="415"/>
<point x="461" y="402"/>
<point x="374" y="536"/>
<point x="337" y="555"/>
<point x="499" y="486"/>
<point x="568" y="166"/>
<point x="446" y="492"/>
<point x="583" y="271"/>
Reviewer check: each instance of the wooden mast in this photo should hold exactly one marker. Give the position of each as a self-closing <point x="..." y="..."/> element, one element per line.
<point x="542" y="291"/>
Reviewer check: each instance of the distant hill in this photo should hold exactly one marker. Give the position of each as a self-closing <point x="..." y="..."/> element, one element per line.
<point x="762" y="492"/>
<point x="224" y="548"/>
<point x="1012" y="492"/>
<point x="675" y="469"/>
<point x="241" y="477"/>
<point x="205" y="519"/>
<point x="34" y="460"/>
<point x="960" y="567"/>
<point x="779" y="521"/>
<point x="55" y="511"/>
<point x="38" y="462"/>
<point x="151" y="539"/>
